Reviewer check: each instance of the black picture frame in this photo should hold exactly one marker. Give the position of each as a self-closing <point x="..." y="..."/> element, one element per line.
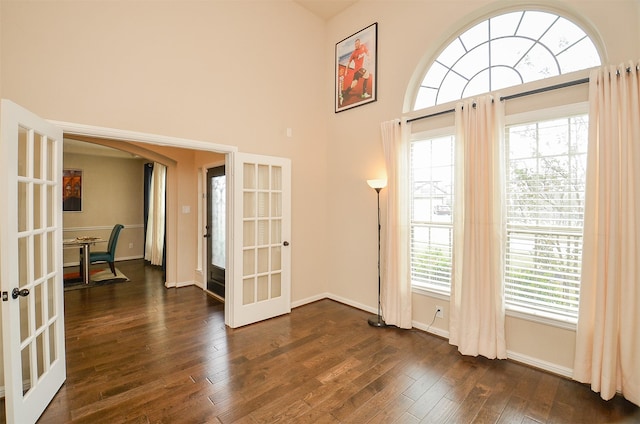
<point x="357" y="87"/>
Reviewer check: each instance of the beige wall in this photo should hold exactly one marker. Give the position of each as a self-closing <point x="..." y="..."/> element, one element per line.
<point x="240" y="73"/>
<point x="410" y="32"/>
<point x="113" y="193"/>
<point x="183" y="167"/>
<point x="230" y="72"/>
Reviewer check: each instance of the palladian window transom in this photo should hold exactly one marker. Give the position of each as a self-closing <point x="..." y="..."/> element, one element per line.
<point x="503" y="51"/>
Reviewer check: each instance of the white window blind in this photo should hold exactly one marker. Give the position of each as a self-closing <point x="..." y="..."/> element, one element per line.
<point x="545" y="207"/>
<point x="431" y="213"/>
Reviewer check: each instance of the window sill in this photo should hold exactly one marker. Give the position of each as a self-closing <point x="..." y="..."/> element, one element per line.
<point x="430" y="292"/>
<point x="541" y="318"/>
<point x="510" y="311"/>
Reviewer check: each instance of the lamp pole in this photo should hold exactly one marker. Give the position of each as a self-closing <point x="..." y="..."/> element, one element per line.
<point x="377" y="321"/>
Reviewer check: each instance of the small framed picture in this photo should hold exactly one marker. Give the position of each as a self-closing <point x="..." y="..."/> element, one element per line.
<point x="356" y="69"/>
<point x="72" y="190"/>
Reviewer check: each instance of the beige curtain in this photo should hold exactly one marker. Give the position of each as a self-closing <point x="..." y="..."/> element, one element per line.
<point x="477" y="300"/>
<point x="396" y="282"/>
<point x="154" y="246"/>
<point x="608" y="334"/>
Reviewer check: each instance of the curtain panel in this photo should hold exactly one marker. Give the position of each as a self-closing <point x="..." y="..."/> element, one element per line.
<point x="477" y="300"/>
<point x="154" y="242"/>
<point x="608" y="332"/>
<point x="396" y="281"/>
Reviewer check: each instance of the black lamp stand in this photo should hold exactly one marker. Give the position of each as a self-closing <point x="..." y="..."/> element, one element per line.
<point x="377" y="321"/>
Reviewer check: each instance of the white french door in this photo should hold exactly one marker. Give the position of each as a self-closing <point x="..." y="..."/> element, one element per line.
<point x="31" y="262"/>
<point x="261" y="269"/>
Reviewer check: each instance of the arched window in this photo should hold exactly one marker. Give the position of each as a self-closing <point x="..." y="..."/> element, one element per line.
<point x="503" y="51"/>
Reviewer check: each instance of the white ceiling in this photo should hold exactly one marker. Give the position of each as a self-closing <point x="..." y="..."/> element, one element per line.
<point x="85" y="148"/>
<point x="326" y="9"/>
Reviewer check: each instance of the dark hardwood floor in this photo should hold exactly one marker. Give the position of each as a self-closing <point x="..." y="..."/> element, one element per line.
<point x="140" y="353"/>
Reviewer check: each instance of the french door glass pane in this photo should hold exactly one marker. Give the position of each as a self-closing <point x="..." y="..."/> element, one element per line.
<point x="218" y="223"/>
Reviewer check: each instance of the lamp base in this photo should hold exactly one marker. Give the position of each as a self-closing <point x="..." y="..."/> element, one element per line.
<point x="377" y="321"/>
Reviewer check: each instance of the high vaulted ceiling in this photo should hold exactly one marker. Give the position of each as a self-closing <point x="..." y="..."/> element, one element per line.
<point x="326" y="9"/>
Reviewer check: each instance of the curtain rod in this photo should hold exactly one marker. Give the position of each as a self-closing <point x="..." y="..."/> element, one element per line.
<point x="512" y="96"/>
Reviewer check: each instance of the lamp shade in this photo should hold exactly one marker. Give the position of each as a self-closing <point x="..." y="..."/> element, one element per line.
<point x="380" y="183"/>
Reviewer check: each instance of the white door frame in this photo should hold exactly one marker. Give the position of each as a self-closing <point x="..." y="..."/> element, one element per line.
<point x="69" y="128"/>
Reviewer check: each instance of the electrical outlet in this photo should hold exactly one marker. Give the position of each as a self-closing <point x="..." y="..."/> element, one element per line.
<point x="439" y="312"/>
<point x="130" y="245"/>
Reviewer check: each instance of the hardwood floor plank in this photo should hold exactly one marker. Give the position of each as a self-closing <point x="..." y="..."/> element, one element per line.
<point x="425" y="403"/>
<point x="442" y="412"/>
<point x="140" y="353"/>
<point x="542" y="400"/>
<point x="407" y="418"/>
<point x="392" y="412"/>
<point x="513" y="411"/>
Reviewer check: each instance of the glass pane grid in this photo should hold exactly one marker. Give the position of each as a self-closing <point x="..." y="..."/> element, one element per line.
<point x="545" y="210"/>
<point x="25" y="143"/>
<point x="38" y="151"/>
<point x="517" y="47"/>
<point x="262" y="238"/>
<point x="431" y="212"/>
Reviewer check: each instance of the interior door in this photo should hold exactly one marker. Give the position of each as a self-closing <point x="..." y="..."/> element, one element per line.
<point x="31" y="262"/>
<point x="262" y="230"/>
<point x="216" y="229"/>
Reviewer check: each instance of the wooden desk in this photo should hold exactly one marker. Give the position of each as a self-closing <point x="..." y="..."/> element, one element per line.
<point x="84" y="244"/>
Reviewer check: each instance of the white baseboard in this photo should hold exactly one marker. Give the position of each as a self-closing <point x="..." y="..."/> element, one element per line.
<point x="350" y="302"/>
<point x="429" y="329"/>
<point x="515" y="356"/>
<point x="331" y="296"/>
<point x="540" y="364"/>
<point x="308" y="300"/>
<point x="179" y="284"/>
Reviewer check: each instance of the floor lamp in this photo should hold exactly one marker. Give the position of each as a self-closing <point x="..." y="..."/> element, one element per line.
<point x="378" y="185"/>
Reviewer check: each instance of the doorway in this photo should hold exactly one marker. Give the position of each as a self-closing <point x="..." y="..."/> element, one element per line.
<point x="216" y="229"/>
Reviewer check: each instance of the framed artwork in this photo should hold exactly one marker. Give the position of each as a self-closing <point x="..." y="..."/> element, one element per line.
<point x="356" y="69"/>
<point x="72" y="190"/>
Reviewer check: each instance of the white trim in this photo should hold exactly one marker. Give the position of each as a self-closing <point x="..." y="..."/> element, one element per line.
<point x="101" y="227"/>
<point x="179" y="284"/>
<point x="510" y="311"/>
<point x="311" y="299"/>
<point x="429" y="329"/>
<point x="125" y="135"/>
<point x="424" y="291"/>
<point x="545" y="114"/>
<point x="215" y="296"/>
<point x="540" y="318"/>
<point x="539" y="364"/>
<point x="336" y="298"/>
<point x="448" y="131"/>
<point x="70" y="128"/>
<point x="515" y="356"/>
<point x="356" y="305"/>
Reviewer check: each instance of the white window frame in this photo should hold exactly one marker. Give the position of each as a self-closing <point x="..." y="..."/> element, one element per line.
<point x="433" y="79"/>
<point x="447" y="131"/>
<point x="532" y="116"/>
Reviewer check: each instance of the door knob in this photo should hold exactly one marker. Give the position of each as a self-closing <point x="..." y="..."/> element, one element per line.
<point x="17" y="292"/>
<point x="286" y="243"/>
